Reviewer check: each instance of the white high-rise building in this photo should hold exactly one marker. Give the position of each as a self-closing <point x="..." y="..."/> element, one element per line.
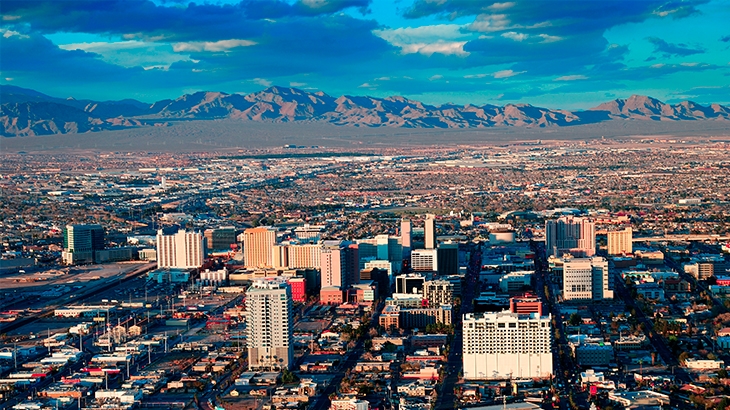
<point x="620" y="242"/>
<point x="269" y="325"/>
<point x="424" y="260"/>
<point x="429" y="232"/>
<point x="258" y="247"/>
<point x="183" y="250"/>
<point x="586" y="279"/>
<point x="507" y="345"/>
<point x="567" y="234"/>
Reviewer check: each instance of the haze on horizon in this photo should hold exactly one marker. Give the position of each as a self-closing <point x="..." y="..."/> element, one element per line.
<point x="558" y="54"/>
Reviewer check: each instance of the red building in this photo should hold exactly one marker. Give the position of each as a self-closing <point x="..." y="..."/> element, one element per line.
<point x="529" y="304"/>
<point x="298" y="289"/>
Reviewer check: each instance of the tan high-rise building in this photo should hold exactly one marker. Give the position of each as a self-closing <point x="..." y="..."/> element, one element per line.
<point x="429" y="232"/>
<point x="570" y="235"/>
<point x="258" y="246"/>
<point x="620" y="242"/>
<point x="406" y="235"/>
<point x="304" y="256"/>
<point x="182" y="250"/>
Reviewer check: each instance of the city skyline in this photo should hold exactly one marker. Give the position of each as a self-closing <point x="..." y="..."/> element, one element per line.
<point x="569" y="55"/>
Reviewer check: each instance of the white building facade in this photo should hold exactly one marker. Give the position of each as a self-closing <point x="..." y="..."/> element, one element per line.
<point x="184" y="250"/>
<point x="506" y="345"/>
<point x="269" y="325"/>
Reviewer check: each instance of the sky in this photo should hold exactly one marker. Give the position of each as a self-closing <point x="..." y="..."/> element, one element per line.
<point x="571" y="54"/>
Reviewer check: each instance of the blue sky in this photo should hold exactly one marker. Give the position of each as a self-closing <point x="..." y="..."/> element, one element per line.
<point x="558" y="54"/>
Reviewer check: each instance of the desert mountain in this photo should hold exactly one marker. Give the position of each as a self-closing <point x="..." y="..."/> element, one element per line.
<point x="28" y="112"/>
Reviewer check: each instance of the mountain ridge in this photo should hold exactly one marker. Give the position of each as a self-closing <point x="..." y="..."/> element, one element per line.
<point x="26" y="112"/>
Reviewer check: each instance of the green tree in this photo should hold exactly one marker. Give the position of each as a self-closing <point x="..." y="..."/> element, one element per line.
<point x="575" y="319"/>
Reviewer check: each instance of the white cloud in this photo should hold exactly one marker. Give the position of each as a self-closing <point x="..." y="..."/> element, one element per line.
<point x="212" y="46"/>
<point x="435" y="77"/>
<point x="571" y="78"/>
<point x="296" y="84"/>
<point x="262" y="81"/>
<point x="9" y="79"/>
<point x="506" y="73"/>
<point x="383" y="79"/>
<point x="367" y="85"/>
<point x="548" y="38"/>
<point x="423" y="34"/>
<point x="501" y="6"/>
<point x="10" y="33"/>
<point x="689" y="64"/>
<point x="130" y="53"/>
<point x="439" y="47"/>
<point x="7" y="17"/>
<point x="476" y="75"/>
<point x="487" y="23"/>
<point x="659" y="65"/>
<point x="512" y="35"/>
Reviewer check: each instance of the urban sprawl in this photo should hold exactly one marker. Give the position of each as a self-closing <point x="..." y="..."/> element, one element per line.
<point x="553" y="275"/>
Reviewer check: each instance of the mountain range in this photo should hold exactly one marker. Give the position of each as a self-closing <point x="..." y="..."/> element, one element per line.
<point x="26" y="112"/>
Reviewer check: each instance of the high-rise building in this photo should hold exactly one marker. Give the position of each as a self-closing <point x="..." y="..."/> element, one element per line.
<point x="586" y="279"/>
<point x="506" y="345"/>
<point x="80" y="243"/>
<point x="269" y="325"/>
<point x="424" y="260"/>
<point x="429" y="232"/>
<point x="448" y="258"/>
<point x="620" y="242"/>
<point x="406" y="235"/>
<point x="438" y="292"/>
<point x="183" y="250"/>
<point x="339" y="264"/>
<point x="258" y="246"/>
<point x="382" y="247"/>
<point x="572" y="235"/>
<point x="220" y="239"/>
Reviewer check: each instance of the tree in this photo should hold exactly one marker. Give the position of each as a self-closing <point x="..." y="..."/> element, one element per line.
<point x="288" y="377"/>
<point x="575" y="319"/>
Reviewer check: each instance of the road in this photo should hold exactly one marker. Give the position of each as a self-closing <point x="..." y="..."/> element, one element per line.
<point x="446" y="396"/>
<point x="323" y="400"/>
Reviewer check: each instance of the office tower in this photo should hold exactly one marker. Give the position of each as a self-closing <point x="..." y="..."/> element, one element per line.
<point x="304" y="256"/>
<point x="352" y="264"/>
<point x="339" y="264"/>
<point x="429" y="232"/>
<point x="80" y="243"/>
<point x="382" y="247"/>
<point x="424" y="260"/>
<point x="620" y="242"/>
<point x="438" y="292"/>
<point x="269" y="325"/>
<point x="586" y="279"/>
<point x="410" y="283"/>
<point x="258" y="245"/>
<point x="448" y="258"/>
<point x="567" y="234"/>
<point x="506" y="345"/>
<point x="406" y="235"/>
<point x="183" y="250"/>
<point x="221" y="239"/>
